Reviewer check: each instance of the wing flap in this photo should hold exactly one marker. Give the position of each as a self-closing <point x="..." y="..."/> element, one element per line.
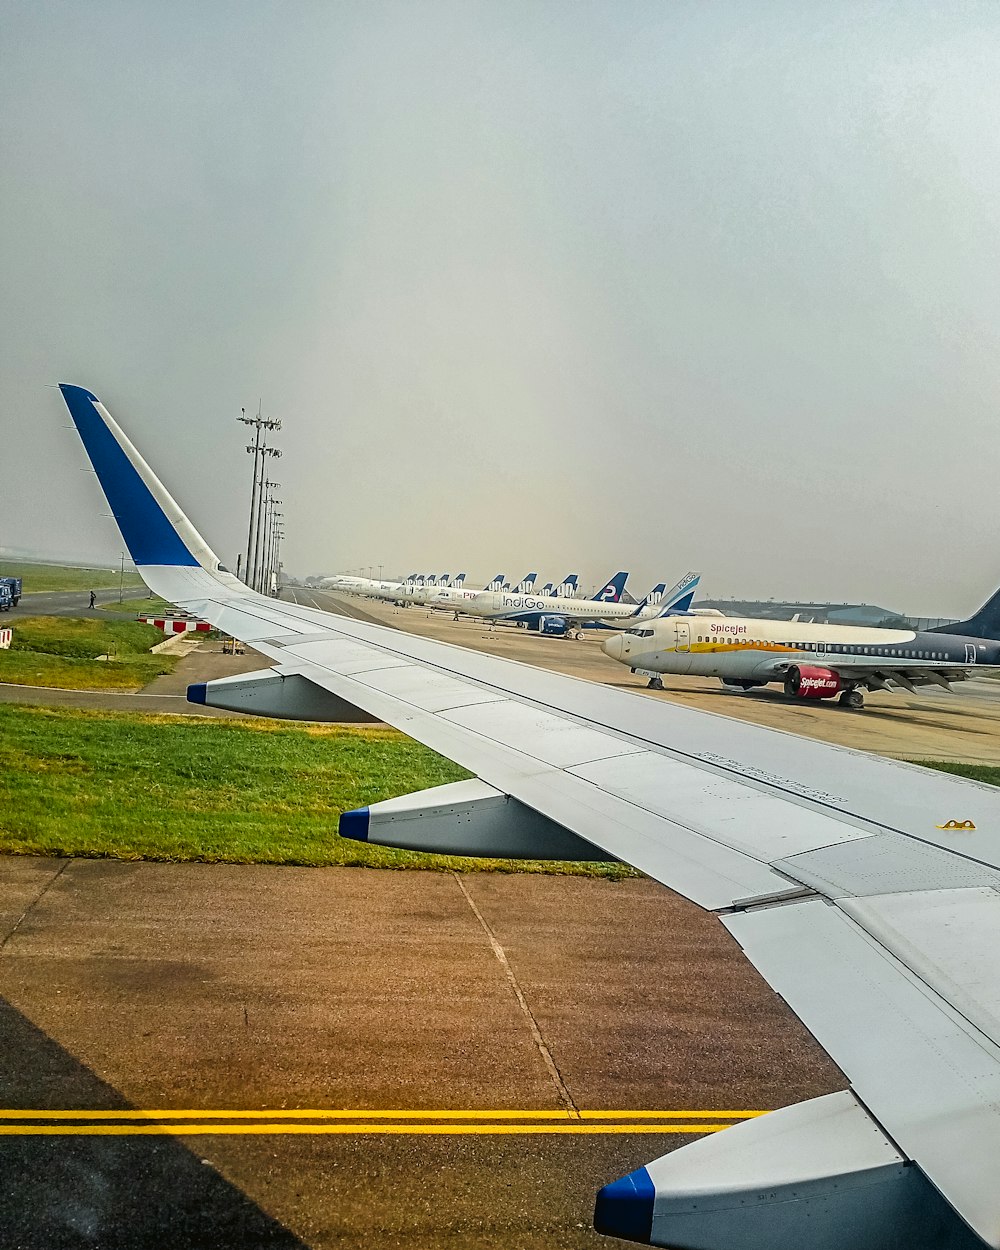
<point x="927" y="1076"/>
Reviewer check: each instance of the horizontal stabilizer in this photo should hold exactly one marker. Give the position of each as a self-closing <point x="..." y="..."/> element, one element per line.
<point x="274" y="692"/>
<point x="820" y="1175"/>
<point x="466" y="818"/>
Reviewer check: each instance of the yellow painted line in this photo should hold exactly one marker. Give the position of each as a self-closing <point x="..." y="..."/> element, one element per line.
<point x="228" y="1130"/>
<point x="314" y="1114"/>
<point x="679" y="1115"/>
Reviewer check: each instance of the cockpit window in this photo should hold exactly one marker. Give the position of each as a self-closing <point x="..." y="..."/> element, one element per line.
<point x="641" y="633"/>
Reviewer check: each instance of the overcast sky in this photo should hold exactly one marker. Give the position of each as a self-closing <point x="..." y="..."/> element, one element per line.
<point x="546" y="285"/>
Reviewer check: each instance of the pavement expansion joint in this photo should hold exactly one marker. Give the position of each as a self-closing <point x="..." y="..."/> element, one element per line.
<point x="50" y="881"/>
<point x="565" y="1097"/>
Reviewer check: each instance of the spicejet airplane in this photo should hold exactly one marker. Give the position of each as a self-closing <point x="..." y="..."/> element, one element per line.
<point x="811" y="661"/>
<point x="866" y="890"/>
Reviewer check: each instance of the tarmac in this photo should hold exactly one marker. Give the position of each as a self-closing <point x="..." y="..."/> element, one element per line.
<point x="151" y="990"/>
<point x="293" y="1057"/>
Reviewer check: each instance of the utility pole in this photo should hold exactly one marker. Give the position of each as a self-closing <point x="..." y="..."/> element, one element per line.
<point x="260" y="451"/>
<point x="121" y="581"/>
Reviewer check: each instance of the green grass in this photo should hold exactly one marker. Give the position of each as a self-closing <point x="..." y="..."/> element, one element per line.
<point x="43" y="577"/>
<point x="59" y="651"/>
<point x="989" y="774"/>
<point x="151" y="605"/>
<point x="131" y="786"/>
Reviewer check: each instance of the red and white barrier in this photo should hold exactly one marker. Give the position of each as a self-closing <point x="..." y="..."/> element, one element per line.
<point x="170" y="625"/>
<point x="5" y="637"/>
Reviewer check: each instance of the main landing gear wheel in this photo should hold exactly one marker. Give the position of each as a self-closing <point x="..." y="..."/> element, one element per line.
<point x="854" y="699"/>
<point x="655" y="683"/>
<point x="576" y="635"/>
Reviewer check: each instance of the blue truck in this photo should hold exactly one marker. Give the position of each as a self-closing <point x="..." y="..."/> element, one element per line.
<point x="10" y="593"/>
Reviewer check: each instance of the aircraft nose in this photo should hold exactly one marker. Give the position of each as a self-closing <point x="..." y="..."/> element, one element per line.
<point x="613" y="646"/>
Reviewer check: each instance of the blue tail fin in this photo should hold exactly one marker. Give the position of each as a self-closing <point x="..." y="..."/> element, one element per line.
<point x="495" y="582"/>
<point x="611" y="592"/>
<point x="155" y="529"/>
<point x="568" y="585"/>
<point x="680" y="597"/>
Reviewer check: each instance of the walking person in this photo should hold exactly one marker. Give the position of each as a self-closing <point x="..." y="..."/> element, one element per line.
<point x="93" y="598"/>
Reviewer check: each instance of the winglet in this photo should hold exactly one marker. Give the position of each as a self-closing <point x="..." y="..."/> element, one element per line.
<point x="155" y="529"/>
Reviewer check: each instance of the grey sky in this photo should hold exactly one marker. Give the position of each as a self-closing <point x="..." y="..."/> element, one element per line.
<point x="549" y="285"/>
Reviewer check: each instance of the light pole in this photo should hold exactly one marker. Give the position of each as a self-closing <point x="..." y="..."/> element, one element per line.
<point x="260" y="451"/>
<point x="265" y="486"/>
<point x="121" y="581"/>
<point x="269" y="543"/>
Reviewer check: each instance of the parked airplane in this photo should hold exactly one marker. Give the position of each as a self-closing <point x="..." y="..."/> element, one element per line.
<point x="811" y="661"/>
<point x="568" y="616"/>
<point x="864" y="889"/>
<point x="423" y="595"/>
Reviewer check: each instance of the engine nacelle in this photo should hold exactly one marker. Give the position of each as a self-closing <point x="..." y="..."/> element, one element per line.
<point x="805" y="681"/>
<point x="557" y="625"/>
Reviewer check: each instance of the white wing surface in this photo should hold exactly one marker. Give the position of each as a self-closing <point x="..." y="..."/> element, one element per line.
<point x="865" y="890"/>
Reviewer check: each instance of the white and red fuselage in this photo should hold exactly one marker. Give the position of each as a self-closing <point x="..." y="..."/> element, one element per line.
<point x="813" y="661"/>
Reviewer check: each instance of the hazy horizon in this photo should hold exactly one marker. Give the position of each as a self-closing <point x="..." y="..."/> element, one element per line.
<point x="555" y="285"/>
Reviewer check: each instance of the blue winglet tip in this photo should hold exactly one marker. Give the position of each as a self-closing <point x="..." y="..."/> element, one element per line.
<point x="354" y="824"/>
<point x="70" y="387"/>
<point x="198" y="692"/>
<point x="625" y="1208"/>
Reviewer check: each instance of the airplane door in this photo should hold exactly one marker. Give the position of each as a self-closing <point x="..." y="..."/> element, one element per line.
<point x="970" y="653"/>
<point x="683" y="636"/>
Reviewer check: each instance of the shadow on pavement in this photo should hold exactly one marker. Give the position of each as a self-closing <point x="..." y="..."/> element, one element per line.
<point x="106" y="1193"/>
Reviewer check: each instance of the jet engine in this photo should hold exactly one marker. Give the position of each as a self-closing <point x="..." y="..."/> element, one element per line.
<point x="804" y="681"/>
<point x="557" y="625"/>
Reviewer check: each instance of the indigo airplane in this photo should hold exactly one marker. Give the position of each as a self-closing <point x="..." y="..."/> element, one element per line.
<point x="865" y="890"/>
<point x="568" y="616"/>
<point x="811" y="661"/>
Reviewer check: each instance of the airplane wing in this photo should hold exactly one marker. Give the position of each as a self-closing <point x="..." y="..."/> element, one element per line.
<point x="866" y="891"/>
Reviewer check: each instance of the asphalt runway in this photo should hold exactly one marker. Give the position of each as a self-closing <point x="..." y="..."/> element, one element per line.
<point x="144" y="1007"/>
<point x="70" y="603"/>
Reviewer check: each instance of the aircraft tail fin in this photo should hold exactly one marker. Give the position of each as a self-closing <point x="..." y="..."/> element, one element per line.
<point x="982" y="624"/>
<point x="568" y="586"/>
<point x="677" y="599"/>
<point x="680" y="597"/>
<point x="155" y="530"/>
<point x="611" y="591"/>
<point x="495" y="582"/>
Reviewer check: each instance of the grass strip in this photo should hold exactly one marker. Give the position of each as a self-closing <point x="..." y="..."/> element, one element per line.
<point x="132" y="786"/>
<point x="61" y="651"/>
<point x="40" y="578"/>
<point x="988" y="774"/>
<point x="148" y="605"/>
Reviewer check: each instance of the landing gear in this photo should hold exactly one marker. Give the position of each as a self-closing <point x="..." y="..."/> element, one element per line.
<point x="655" y="683"/>
<point x="854" y="699"/>
<point x="576" y="635"/>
